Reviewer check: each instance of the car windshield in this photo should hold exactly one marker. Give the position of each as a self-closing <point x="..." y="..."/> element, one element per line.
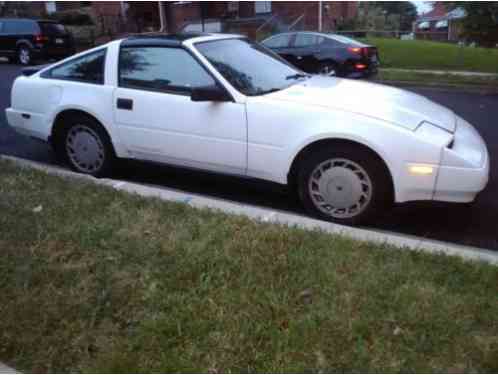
<point x="249" y="67"/>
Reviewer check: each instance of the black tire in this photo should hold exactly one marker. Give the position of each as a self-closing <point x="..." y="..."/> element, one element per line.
<point x="328" y="66"/>
<point x="93" y="130"/>
<point x="381" y="196"/>
<point x="24" y="56"/>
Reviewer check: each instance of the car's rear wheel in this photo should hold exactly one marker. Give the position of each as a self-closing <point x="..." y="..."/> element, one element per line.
<point x="344" y="184"/>
<point x="24" y="55"/>
<point x="85" y="146"/>
<point x="328" y="69"/>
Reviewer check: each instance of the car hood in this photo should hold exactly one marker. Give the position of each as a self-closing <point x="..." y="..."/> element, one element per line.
<point x="386" y="103"/>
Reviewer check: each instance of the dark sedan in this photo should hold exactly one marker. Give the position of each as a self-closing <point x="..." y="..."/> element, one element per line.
<point x="325" y="53"/>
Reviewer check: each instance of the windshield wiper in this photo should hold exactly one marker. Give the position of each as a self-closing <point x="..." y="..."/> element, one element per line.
<point x="298" y="75"/>
<point x="269" y="91"/>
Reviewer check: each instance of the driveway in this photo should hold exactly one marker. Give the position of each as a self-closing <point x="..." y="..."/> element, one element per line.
<point x="476" y="225"/>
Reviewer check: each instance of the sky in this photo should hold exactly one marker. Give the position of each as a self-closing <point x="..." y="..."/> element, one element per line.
<point x="422" y="6"/>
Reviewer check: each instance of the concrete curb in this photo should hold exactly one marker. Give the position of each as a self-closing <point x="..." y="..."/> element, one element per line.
<point x="467" y="89"/>
<point x="462" y="73"/>
<point x="274" y="216"/>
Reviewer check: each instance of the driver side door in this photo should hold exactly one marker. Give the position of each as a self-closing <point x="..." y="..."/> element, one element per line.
<point x="157" y="120"/>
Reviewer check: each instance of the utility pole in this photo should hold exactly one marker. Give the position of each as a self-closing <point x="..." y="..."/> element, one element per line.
<point x="162" y="28"/>
<point x="320" y="16"/>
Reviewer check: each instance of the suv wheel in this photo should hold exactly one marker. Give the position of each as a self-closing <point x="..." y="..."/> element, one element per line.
<point x="24" y="55"/>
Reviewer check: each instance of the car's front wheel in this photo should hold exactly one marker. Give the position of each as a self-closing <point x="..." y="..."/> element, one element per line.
<point x="344" y="184"/>
<point x="85" y="146"/>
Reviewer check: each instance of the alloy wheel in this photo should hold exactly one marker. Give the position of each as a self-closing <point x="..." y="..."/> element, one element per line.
<point x="340" y="188"/>
<point x="85" y="149"/>
<point x="24" y="56"/>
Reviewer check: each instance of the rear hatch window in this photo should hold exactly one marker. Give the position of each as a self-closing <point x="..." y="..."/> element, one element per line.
<point x="52" y="28"/>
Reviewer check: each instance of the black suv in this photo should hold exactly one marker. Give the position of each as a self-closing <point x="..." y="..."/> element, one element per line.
<point x="25" y="40"/>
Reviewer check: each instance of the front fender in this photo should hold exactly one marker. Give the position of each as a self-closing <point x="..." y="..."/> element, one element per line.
<point x="279" y="130"/>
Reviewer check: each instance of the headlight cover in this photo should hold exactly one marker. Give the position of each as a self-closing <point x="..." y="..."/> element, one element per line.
<point x="434" y="134"/>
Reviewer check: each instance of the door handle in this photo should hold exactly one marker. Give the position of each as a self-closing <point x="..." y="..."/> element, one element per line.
<point x="123" y="103"/>
<point x="299" y="57"/>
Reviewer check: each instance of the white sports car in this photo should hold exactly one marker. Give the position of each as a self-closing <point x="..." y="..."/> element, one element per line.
<point x="225" y="104"/>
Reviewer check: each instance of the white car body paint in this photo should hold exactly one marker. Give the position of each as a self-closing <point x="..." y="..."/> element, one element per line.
<point x="260" y="136"/>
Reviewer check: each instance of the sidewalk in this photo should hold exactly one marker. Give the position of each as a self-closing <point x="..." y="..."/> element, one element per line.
<point x="442" y="72"/>
<point x="6" y="370"/>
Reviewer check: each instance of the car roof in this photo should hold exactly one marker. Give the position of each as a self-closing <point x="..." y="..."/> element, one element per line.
<point x="170" y="40"/>
<point x="28" y="19"/>
<point x="337" y="37"/>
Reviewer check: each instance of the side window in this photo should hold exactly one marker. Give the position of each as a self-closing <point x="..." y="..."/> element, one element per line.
<point x="21" y="27"/>
<point x="331" y="43"/>
<point x="9" y="27"/>
<point x="161" y="69"/>
<point x="1" y="27"/>
<point x="305" y="40"/>
<point x="88" y="68"/>
<point x="278" y="42"/>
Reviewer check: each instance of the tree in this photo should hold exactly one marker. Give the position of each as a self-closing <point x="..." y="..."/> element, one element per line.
<point x="406" y="11"/>
<point x="480" y="23"/>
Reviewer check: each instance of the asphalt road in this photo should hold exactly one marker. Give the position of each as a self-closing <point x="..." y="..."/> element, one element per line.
<point x="475" y="225"/>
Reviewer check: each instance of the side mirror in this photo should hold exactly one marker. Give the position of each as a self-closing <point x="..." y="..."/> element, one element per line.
<point x="209" y="94"/>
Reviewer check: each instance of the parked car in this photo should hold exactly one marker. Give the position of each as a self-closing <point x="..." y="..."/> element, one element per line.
<point x="226" y="104"/>
<point x="25" y="40"/>
<point x="326" y="53"/>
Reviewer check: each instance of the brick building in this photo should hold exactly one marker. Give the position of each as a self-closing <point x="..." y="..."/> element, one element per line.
<point x="439" y="23"/>
<point x="246" y="17"/>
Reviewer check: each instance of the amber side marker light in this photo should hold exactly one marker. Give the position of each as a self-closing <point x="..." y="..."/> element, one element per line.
<point x="421" y="170"/>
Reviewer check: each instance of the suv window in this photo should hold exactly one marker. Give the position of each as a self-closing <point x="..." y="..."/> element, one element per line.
<point x="281" y="41"/>
<point x="161" y="69"/>
<point x="21" y="27"/>
<point x="52" y="28"/>
<point x="88" y="68"/>
<point x="305" y="40"/>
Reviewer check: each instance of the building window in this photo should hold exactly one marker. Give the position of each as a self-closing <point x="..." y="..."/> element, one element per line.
<point x="262" y="7"/>
<point x="443" y="24"/>
<point x="51" y="7"/>
<point x="424" y="25"/>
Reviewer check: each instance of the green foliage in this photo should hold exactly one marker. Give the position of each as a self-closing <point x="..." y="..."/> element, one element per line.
<point x="481" y="22"/>
<point x="72" y="18"/>
<point x="406" y="11"/>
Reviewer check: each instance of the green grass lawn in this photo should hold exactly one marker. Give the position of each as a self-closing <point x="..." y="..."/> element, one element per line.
<point x="96" y="280"/>
<point x="418" y="54"/>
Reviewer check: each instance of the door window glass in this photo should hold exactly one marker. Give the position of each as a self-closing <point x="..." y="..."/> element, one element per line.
<point x="305" y="40"/>
<point x="161" y="69"/>
<point x="281" y="41"/>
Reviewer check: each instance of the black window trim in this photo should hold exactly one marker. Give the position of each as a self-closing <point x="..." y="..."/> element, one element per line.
<point x="48" y="73"/>
<point x="166" y="91"/>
